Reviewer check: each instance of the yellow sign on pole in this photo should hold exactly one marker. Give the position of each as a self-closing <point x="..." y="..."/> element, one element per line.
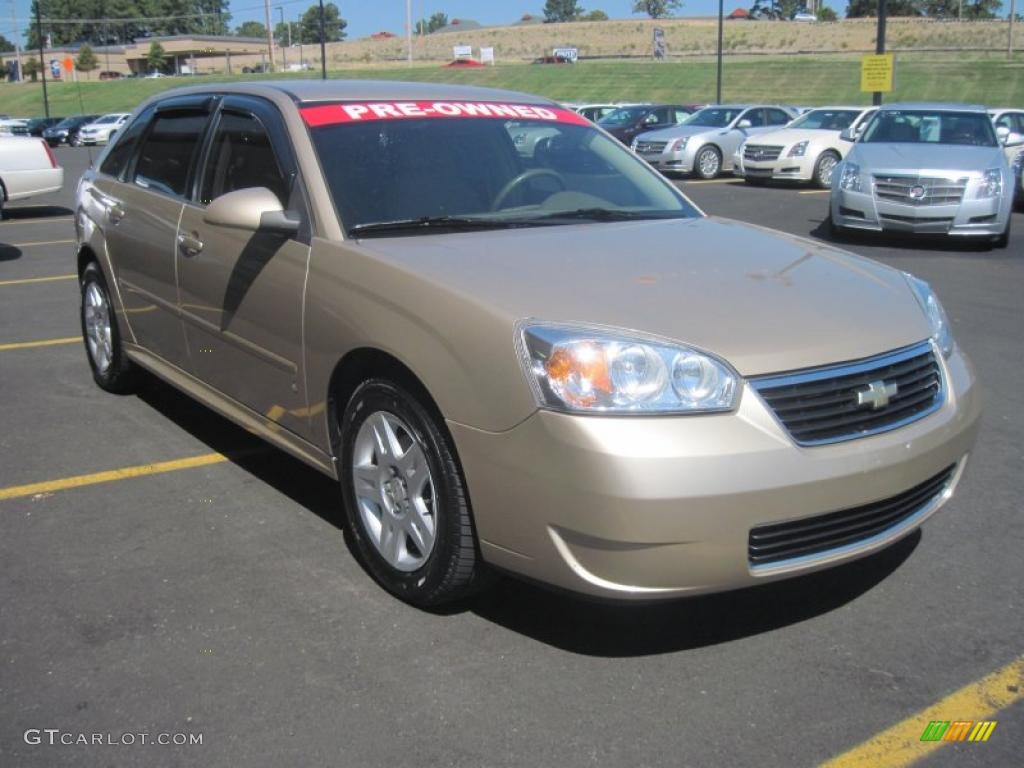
<point x="876" y="73"/>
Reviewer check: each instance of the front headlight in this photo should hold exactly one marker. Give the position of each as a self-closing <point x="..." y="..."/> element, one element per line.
<point x="678" y="144"/>
<point x="798" y="149"/>
<point x="991" y="183"/>
<point x="584" y="369"/>
<point x="942" y="334"/>
<point x="850" y="180"/>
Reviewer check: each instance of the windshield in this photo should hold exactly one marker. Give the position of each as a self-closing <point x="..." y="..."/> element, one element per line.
<point x="826" y="120"/>
<point x="713" y="117"/>
<point x="481" y="170"/>
<point x="931" y="127"/>
<point x="623" y="116"/>
<point x="109" y="119"/>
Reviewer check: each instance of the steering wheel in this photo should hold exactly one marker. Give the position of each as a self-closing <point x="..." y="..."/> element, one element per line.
<point x="522" y="178"/>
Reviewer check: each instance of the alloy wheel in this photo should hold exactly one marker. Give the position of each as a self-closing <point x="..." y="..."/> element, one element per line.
<point x="97" y="327"/>
<point x="394" y="490"/>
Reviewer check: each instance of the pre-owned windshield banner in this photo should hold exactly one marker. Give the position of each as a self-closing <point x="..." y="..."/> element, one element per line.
<point x="364" y="112"/>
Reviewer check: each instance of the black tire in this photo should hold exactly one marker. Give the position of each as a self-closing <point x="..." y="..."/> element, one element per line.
<point x="453" y="569"/>
<point x="819" y="178"/>
<point x="707" y="173"/>
<point x="120" y="375"/>
<point x="75" y="141"/>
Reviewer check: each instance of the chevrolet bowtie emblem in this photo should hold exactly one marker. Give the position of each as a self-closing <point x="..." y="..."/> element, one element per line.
<point x="877" y="394"/>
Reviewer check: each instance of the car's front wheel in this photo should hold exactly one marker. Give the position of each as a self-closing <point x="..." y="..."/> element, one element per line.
<point x="708" y="162"/>
<point x="824" y="168"/>
<point x="405" y="498"/>
<point x="111" y="368"/>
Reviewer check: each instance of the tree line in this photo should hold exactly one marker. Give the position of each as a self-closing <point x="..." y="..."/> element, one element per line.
<point x="124" y="21"/>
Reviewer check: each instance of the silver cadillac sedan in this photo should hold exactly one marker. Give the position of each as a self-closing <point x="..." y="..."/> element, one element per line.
<point x="926" y="168"/>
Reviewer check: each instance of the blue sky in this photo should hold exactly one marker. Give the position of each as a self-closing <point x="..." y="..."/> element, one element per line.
<point x="368" y="16"/>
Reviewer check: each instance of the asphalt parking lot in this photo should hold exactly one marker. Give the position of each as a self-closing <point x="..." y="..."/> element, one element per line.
<point x="212" y="592"/>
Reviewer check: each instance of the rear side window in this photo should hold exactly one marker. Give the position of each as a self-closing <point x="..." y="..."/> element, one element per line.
<point x="121" y="153"/>
<point x="777" y="117"/>
<point x="168" y="152"/>
<point x="241" y="157"/>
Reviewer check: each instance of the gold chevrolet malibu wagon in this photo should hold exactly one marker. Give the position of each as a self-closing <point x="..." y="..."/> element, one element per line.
<point x="513" y="343"/>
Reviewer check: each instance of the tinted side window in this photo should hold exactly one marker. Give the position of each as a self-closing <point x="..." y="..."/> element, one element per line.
<point x="242" y="156"/>
<point x="168" y="152"/>
<point x="121" y="153"/>
<point x="755" y="116"/>
<point x="777" y="117"/>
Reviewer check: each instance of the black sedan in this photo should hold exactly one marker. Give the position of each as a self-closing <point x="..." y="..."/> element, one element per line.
<point x="66" y="131"/>
<point x="626" y="123"/>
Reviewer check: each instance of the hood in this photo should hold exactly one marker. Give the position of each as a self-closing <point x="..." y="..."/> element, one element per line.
<point x="790" y="136"/>
<point x="921" y="158"/>
<point x="764" y="301"/>
<point x="678" y="131"/>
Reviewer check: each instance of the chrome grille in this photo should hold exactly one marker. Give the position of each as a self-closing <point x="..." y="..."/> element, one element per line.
<point x="920" y="190"/>
<point x="821" y="534"/>
<point x="760" y="152"/>
<point x="651" y="147"/>
<point x="844" y="402"/>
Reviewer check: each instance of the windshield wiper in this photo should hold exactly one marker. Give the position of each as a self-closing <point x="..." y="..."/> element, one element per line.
<point x="440" y="223"/>
<point x="607" y="214"/>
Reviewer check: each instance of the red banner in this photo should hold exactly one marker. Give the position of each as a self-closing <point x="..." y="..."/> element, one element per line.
<point x="363" y="112"/>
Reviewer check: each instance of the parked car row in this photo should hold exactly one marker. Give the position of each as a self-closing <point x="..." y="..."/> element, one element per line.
<point x="922" y="168"/>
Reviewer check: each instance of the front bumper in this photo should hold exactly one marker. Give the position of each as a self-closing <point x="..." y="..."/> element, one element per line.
<point x="986" y="217"/>
<point x="793" y="168"/>
<point x="677" y="161"/>
<point x="656" y="507"/>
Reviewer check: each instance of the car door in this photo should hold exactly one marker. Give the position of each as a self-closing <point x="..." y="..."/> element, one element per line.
<point x="143" y="202"/>
<point x="241" y="291"/>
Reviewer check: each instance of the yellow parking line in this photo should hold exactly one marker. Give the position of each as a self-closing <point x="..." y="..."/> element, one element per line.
<point x="901" y="744"/>
<point x="42" y="343"/>
<point x="77" y="481"/>
<point x="41" y="242"/>
<point x="25" y="280"/>
<point x="814" y="191"/>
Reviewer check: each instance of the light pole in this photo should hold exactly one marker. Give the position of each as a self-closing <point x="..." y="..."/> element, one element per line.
<point x="323" y="44"/>
<point x="718" y="88"/>
<point x="408" y="26"/>
<point x="42" y="59"/>
<point x="284" y="50"/>
<point x="270" y="32"/>
<point x="1009" y="42"/>
<point x="876" y="98"/>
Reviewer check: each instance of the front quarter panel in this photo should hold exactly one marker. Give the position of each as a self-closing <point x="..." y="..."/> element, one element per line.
<point x="460" y="348"/>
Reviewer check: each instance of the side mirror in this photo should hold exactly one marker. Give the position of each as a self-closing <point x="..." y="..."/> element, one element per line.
<point x="744" y="123"/>
<point x="848" y="135"/>
<point x="253" y="208"/>
<point x="1013" y="139"/>
<point x="1003" y="134"/>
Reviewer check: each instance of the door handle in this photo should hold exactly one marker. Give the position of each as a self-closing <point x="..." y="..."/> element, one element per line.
<point x="116" y="212"/>
<point x="189" y="245"/>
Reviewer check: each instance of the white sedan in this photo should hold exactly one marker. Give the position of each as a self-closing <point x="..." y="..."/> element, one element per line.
<point x="808" y="149"/>
<point x="100" y="131"/>
<point x="28" y="167"/>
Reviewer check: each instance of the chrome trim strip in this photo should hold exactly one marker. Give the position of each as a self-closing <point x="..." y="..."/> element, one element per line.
<point x="889" y="534"/>
<point x="845" y="369"/>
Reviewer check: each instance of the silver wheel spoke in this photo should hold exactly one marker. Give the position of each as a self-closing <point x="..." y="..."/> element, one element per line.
<point x="96" y="313"/>
<point x="420" y="527"/>
<point x="394" y="491"/>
